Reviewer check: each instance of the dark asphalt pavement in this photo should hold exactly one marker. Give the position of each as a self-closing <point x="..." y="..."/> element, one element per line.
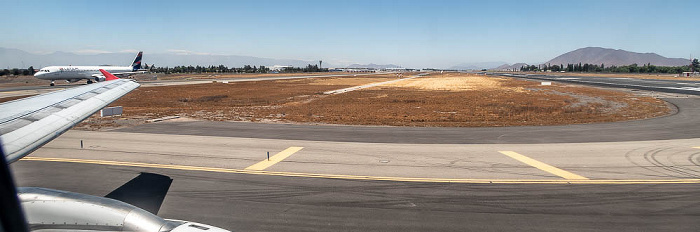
<point x="666" y="86"/>
<point x="265" y="203"/>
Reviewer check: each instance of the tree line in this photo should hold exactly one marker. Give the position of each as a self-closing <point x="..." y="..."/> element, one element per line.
<point x="225" y="69"/>
<point x="193" y="69"/>
<point x="17" y="71"/>
<point x="633" y="68"/>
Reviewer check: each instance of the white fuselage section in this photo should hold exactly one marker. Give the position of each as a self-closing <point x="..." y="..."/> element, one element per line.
<point x="75" y="73"/>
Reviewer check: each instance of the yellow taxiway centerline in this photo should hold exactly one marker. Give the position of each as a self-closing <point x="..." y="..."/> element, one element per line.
<point x="543" y="166"/>
<point x="354" y="177"/>
<point x="262" y="165"/>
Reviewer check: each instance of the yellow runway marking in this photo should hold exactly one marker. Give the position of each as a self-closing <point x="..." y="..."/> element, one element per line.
<point x="352" y="177"/>
<point x="543" y="166"/>
<point x="262" y="165"/>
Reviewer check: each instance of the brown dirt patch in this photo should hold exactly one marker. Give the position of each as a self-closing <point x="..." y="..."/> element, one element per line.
<point x="459" y="100"/>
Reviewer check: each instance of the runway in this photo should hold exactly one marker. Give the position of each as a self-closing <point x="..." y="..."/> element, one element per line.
<point x="628" y="186"/>
<point x="243" y="202"/>
<point x="666" y="86"/>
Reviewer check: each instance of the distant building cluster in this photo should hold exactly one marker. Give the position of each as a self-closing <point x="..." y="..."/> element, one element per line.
<point x="280" y="67"/>
<point x="690" y="74"/>
<point x="370" y="70"/>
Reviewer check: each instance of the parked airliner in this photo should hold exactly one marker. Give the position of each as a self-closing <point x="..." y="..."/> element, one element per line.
<point x="77" y="73"/>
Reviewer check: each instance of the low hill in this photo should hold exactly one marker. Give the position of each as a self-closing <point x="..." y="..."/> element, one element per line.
<point x="512" y="67"/>
<point x="607" y="56"/>
<point x="477" y="65"/>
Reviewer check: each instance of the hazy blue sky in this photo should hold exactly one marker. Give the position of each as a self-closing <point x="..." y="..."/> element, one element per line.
<point x="409" y="33"/>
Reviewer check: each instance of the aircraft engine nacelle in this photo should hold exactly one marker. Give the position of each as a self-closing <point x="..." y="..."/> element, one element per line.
<point x="57" y="210"/>
<point x="100" y="79"/>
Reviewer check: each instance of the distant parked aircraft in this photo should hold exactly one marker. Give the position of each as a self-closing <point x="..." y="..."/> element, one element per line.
<point x="77" y="73"/>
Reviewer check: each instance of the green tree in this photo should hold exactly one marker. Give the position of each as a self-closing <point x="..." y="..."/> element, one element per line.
<point x="633" y="68"/>
<point x="695" y="65"/>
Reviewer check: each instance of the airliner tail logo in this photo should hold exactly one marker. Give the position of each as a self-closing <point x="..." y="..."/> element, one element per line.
<point x="136" y="65"/>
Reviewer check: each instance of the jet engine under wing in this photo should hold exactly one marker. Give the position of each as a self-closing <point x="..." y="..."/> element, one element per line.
<point x="28" y="123"/>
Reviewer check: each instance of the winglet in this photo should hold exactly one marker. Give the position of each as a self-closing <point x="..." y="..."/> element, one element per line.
<point x="108" y="76"/>
<point x="146" y="191"/>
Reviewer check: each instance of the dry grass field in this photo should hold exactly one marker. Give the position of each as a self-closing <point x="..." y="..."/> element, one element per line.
<point x="451" y="99"/>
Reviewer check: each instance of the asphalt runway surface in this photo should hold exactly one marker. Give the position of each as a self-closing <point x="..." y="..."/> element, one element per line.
<point x="226" y="195"/>
<point x="241" y="202"/>
<point x="667" y="86"/>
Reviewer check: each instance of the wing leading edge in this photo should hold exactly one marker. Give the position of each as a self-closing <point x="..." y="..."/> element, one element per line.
<point x="26" y="124"/>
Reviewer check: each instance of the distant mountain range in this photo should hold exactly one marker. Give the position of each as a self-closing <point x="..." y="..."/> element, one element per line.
<point x="607" y="56"/>
<point x="512" y="67"/>
<point x="15" y="58"/>
<point x="476" y="65"/>
<point x="374" y="66"/>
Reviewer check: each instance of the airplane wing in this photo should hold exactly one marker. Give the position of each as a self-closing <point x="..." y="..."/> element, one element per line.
<point x="28" y="123"/>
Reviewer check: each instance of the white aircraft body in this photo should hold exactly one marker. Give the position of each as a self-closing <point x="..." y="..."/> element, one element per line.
<point x="27" y="124"/>
<point x="77" y="73"/>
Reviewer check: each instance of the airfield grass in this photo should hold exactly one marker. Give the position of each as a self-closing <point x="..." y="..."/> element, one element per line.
<point x="440" y="100"/>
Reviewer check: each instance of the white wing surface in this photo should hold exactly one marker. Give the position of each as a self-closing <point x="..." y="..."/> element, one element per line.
<point x="26" y="124"/>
